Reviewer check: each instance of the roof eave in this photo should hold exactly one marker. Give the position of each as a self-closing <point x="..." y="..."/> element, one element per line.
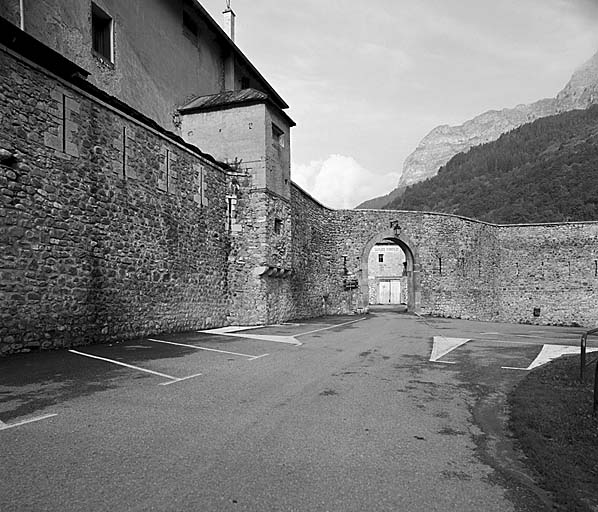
<point x="246" y="103"/>
<point x="222" y="34"/>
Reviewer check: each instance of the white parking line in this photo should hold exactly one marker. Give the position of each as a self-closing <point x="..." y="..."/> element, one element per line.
<point x="330" y="327"/>
<point x="232" y="328"/>
<point x="513" y="342"/>
<point x="6" y="426"/>
<point x="174" y="381"/>
<point x="249" y="356"/>
<point x="169" y="377"/>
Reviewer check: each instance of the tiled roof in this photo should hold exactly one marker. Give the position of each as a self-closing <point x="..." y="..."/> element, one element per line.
<point x="223" y="99"/>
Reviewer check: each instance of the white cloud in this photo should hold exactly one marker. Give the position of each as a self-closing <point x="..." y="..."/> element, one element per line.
<point x="341" y="182"/>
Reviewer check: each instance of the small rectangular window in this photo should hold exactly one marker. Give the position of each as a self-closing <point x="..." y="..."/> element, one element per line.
<point x="277" y="226"/>
<point x="380" y="258"/>
<point x="244" y="83"/>
<point x="277" y="136"/>
<point x="101" y="33"/>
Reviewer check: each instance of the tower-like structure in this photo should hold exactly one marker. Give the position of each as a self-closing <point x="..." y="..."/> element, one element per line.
<point x="250" y="131"/>
<point x="245" y="125"/>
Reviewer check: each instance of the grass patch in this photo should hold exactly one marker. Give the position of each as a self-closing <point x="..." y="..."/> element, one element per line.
<point x="551" y="416"/>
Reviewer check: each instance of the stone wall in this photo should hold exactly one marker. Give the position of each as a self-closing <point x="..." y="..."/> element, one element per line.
<point x="457" y="267"/>
<point x="110" y="229"/>
<point x="552" y="268"/>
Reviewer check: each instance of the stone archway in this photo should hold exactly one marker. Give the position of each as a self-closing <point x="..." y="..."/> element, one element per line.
<point x="413" y="267"/>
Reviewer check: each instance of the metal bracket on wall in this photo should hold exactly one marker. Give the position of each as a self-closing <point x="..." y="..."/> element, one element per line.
<point x="268" y="271"/>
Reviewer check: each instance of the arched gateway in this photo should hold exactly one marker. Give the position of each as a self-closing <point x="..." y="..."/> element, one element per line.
<point x="395" y="236"/>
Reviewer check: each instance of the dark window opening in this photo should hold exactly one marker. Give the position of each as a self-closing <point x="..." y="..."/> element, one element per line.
<point x="244" y="83"/>
<point x="101" y="32"/>
<point x="277" y="136"/>
<point x="190" y="26"/>
<point x="277" y="226"/>
<point x="380" y="258"/>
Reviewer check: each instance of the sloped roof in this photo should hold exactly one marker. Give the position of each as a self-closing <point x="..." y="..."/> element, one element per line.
<point x="228" y="99"/>
<point x="221" y="34"/>
<point x="224" y="99"/>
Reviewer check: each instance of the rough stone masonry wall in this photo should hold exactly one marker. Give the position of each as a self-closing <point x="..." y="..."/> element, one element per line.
<point x="550" y="268"/>
<point x="314" y="258"/>
<point x="259" y="299"/>
<point x="467" y="269"/>
<point x="455" y="259"/>
<point x="109" y="229"/>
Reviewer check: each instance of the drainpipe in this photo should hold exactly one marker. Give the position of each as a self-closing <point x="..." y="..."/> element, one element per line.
<point x="22" y="14"/>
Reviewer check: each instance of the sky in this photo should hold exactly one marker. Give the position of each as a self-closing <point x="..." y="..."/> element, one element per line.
<point x="367" y="80"/>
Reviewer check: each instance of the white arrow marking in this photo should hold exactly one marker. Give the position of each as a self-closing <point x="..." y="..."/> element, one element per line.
<point x="442" y="346"/>
<point x="549" y="353"/>
<point x="234" y="332"/>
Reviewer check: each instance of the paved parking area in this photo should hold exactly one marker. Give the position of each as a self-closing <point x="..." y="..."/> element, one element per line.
<point x="32" y="383"/>
<point x="382" y="412"/>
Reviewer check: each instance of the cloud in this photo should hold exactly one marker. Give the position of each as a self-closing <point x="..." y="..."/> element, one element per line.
<point x="341" y="182"/>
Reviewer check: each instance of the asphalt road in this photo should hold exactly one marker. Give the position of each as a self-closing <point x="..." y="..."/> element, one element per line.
<point x="356" y="418"/>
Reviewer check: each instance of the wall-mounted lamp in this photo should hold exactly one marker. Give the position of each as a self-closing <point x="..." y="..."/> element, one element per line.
<point x="394" y="224"/>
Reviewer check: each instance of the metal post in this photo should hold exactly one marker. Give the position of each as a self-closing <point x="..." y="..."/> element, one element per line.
<point x="595" y="389"/>
<point x="584" y="341"/>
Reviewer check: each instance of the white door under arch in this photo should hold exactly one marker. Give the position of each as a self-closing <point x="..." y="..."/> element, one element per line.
<point x="389" y="292"/>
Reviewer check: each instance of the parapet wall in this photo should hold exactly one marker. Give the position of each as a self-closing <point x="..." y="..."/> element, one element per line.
<point x="110" y="229"/>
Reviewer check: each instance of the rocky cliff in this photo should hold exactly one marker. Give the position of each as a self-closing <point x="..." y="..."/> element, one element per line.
<point x="443" y="142"/>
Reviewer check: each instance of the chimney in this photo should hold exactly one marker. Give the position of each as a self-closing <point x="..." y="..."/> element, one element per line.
<point x="229" y="21"/>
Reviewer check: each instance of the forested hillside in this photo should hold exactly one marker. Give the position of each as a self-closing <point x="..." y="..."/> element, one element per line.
<point x="545" y="171"/>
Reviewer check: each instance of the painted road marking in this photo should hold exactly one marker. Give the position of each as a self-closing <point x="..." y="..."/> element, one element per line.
<point x="510" y="342"/>
<point x="514" y="342"/>
<point x="330" y="327"/>
<point x="6" y="426"/>
<point x="235" y="331"/>
<point x="225" y="331"/>
<point x="248" y="356"/>
<point x="548" y="353"/>
<point x="179" y="379"/>
<point x="169" y="377"/>
<point x="232" y="328"/>
<point x="442" y="346"/>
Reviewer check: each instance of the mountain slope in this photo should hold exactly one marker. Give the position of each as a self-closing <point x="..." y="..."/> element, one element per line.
<point x="445" y="141"/>
<point x="545" y="171"/>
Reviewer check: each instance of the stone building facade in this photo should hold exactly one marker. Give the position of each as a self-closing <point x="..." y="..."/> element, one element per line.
<point x="114" y="226"/>
<point x="153" y="55"/>
<point x="387" y="282"/>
